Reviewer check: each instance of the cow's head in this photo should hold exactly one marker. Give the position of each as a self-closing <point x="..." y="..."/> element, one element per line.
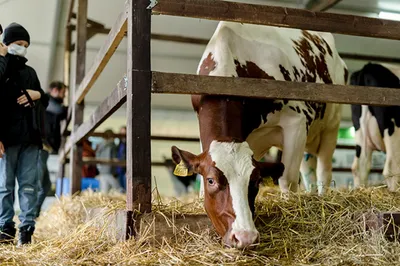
<point x="231" y="180"/>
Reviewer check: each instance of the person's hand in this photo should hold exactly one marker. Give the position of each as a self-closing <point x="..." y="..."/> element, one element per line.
<point x="3" y="49"/>
<point x="2" y="151"/>
<point x="35" y="95"/>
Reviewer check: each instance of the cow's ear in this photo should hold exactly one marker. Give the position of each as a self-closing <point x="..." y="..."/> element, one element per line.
<point x="186" y="163"/>
<point x="273" y="170"/>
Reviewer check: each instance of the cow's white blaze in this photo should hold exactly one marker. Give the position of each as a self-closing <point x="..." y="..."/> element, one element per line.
<point x="235" y="161"/>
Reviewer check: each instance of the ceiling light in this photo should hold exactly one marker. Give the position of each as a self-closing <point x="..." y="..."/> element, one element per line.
<point x="389" y="15"/>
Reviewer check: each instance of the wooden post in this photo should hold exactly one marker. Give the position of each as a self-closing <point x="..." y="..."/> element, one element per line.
<point x="77" y="109"/>
<point x="66" y="81"/>
<point x="138" y="174"/>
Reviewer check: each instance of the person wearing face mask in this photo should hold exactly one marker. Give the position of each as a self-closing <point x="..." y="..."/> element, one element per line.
<point x="20" y="134"/>
<point x="55" y="113"/>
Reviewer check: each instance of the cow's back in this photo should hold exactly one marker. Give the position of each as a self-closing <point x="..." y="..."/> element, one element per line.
<point x="272" y="52"/>
<point x="246" y="50"/>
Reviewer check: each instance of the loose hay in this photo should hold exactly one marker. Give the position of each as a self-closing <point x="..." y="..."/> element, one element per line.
<point x="303" y="230"/>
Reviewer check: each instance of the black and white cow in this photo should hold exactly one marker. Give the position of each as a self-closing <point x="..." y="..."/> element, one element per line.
<point x="377" y="127"/>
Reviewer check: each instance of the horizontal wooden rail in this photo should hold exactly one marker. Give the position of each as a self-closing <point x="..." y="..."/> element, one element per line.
<point x="374" y="58"/>
<point x="116" y="162"/>
<point x="202" y="41"/>
<point x="262" y="88"/>
<point x="160" y="37"/>
<point x="343" y="169"/>
<point x="280" y="17"/>
<point x="111" y="104"/>
<point x="115" y="37"/>
<point x="321" y="5"/>
<point x="113" y="162"/>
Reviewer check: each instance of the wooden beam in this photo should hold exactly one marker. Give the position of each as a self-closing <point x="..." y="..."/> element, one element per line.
<point x="91" y="23"/>
<point x="114" y="101"/>
<point x="64" y="124"/>
<point x="113" y="162"/>
<point x="321" y="5"/>
<point x="138" y="175"/>
<point x="71" y="13"/>
<point x="111" y="104"/>
<point x="77" y="109"/>
<point x="103" y="56"/>
<point x="271" y="89"/>
<point x="202" y="41"/>
<point x="344" y="169"/>
<point x="66" y="81"/>
<point x="370" y="58"/>
<point x="280" y="17"/>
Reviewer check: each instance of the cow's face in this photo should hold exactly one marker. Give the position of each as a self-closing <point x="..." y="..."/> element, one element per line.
<point x="231" y="179"/>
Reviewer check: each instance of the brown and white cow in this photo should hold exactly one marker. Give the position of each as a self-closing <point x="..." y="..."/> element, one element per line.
<point x="377" y="128"/>
<point x="236" y="132"/>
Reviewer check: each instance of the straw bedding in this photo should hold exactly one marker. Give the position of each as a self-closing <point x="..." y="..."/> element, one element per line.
<point x="301" y="230"/>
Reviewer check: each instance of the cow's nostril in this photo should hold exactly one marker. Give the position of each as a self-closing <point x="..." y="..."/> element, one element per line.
<point x="234" y="240"/>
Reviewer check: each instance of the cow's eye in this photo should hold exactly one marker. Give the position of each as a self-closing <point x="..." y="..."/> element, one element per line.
<point x="210" y="181"/>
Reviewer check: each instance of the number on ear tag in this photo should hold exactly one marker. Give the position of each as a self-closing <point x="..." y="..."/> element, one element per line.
<point x="182" y="170"/>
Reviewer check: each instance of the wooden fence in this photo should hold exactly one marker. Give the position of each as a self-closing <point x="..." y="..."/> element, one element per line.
<point x="136" y="86"/>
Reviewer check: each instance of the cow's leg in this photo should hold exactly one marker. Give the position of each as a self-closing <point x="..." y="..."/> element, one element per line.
<point x="364" y="167"/>
<point x="307" y="169"/>
<point x="324" y="159"/>
<point x="294" y="142"/>
<point x="354" y="170"/>
<point x="391" y="170"/>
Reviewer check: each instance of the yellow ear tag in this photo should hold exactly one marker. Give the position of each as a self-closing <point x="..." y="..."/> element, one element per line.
<point x="182" y="170"/>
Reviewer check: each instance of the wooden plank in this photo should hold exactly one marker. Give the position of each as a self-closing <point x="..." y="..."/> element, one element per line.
<point x="103" y="56"/>
<point x="114" y="101"/>
<point x="165" y="226"/>
<point x="94" y="161"/>
<point x="109" y="105"/>
<point x="387" y="223"/>
<point x="202" y="41"/>
<point x="321" y="5"/>
<point x="370" y="58"/>
<point x="65" y="123"/>
<point x="345" y="147"/>
<point x="180" y="39"/>
<point x="138" y="168"/>
<point x="66" y="81"/>
<point x="77" y="109"/>
<point x="345" y="169"/>
<point x="71" y="13"/>
<point x="271" y="89"/>
<point x="280" y="17"/>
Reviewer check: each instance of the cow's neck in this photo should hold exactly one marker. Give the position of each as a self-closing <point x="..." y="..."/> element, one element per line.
<point x="220" y="119"/>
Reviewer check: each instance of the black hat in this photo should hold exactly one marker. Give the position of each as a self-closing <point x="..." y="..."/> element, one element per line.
<point x="15" y="32"/>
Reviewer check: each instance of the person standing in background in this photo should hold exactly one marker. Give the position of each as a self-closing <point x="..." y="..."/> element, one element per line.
<point x="21" y="102"/>
<point x="121" y="155"/>
<point x="88" y="170"/>
<point x="55" y="113"/>
<point x="107" y="175"/>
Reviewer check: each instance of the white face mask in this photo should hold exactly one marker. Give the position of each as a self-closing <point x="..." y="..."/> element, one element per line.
<point x="16" y="49"/>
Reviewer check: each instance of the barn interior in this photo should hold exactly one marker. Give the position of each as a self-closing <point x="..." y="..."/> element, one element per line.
<point x="177" y="47"/>
<point x="172" y="115"/>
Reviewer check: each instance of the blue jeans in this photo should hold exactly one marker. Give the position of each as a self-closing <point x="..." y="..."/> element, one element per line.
<point x="21" y="162"/>
<point x="122" y="181"/>
<point x="44" y="179"/>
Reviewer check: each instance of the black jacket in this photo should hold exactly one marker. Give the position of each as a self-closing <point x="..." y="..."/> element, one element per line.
<point x="19" y="124"/>
<point x="55" y="112"/>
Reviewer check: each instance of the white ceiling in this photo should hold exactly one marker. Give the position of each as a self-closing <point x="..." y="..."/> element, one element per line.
<point x="45" y="20"/>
